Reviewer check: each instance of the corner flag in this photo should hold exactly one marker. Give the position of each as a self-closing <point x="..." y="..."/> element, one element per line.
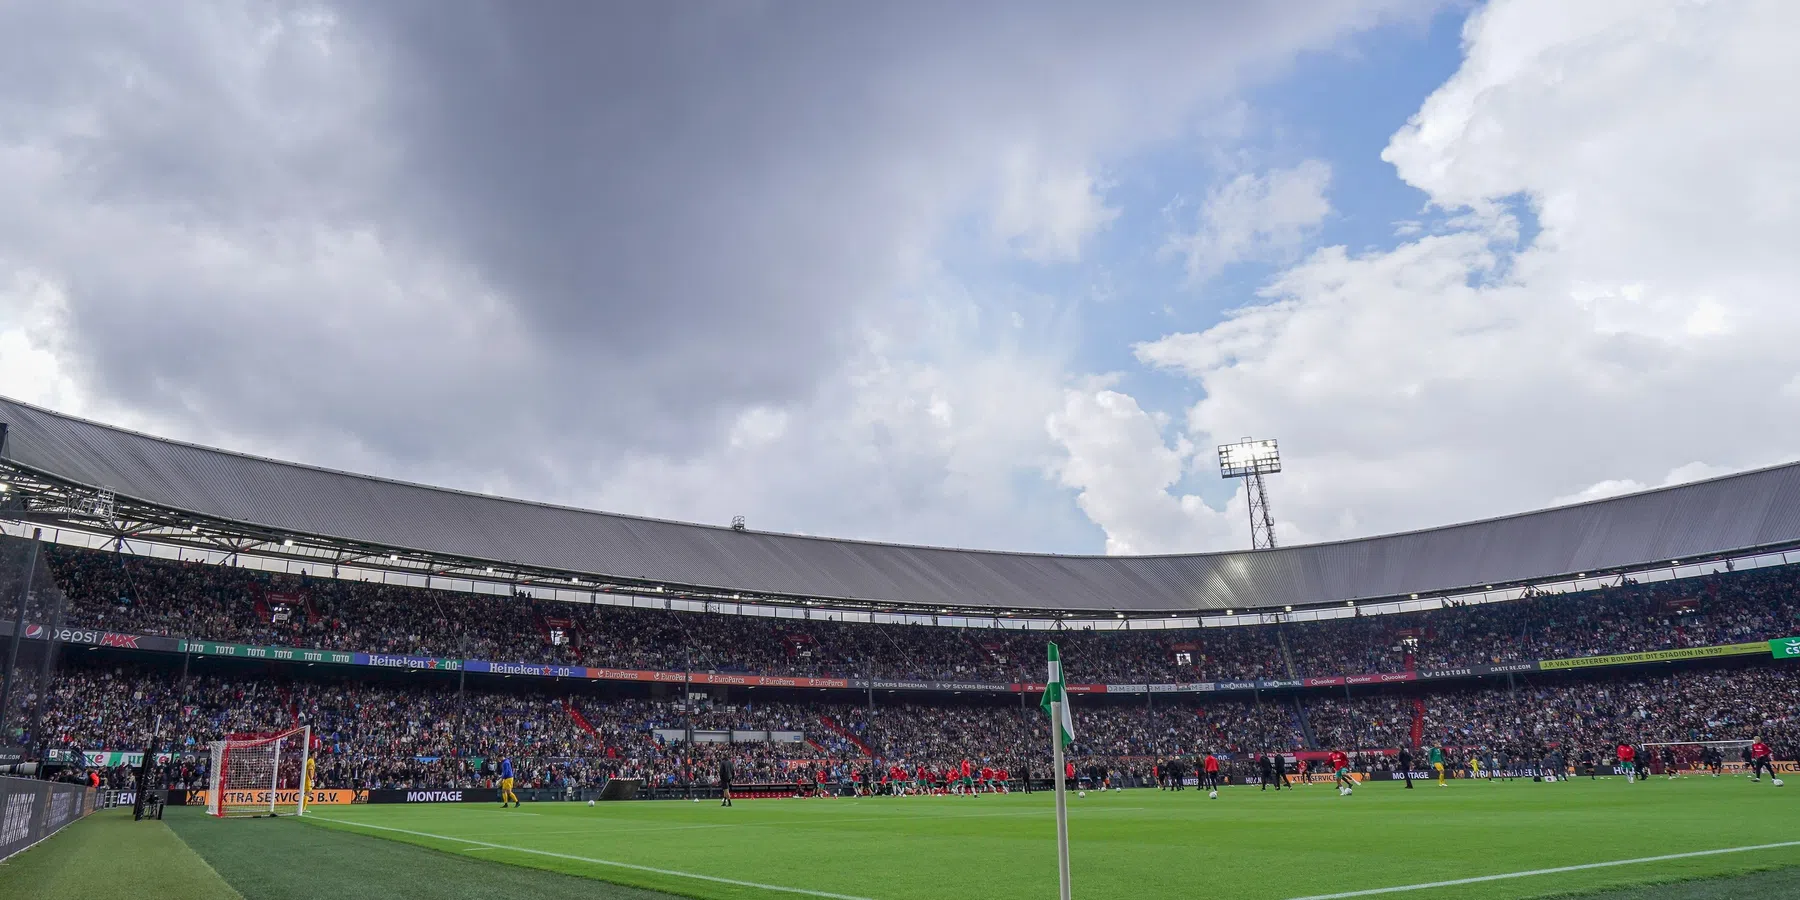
<point x="1062" y="728"/>
<point x="1055" y="694"/>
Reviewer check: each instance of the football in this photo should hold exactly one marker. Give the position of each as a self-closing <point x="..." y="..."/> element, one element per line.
<point x="590" y="803"/>
<point x="1776" y="782"/>
<point x="1214" y="795"/>
<point x="1081" y="793"/>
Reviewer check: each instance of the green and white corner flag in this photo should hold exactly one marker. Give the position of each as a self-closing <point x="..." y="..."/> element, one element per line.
<point x="1054" y="693"/>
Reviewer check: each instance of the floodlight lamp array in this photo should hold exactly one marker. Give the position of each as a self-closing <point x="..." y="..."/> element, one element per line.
<point x="1249" y="457"/>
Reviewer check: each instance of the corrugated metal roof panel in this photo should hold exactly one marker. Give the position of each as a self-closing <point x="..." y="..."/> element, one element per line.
<point x="1754" y="509"/>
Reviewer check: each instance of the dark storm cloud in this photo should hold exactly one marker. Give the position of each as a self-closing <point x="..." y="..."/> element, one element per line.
<point x="527" y="237"/>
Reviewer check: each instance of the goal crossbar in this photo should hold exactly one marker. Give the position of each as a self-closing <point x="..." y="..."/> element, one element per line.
<point x="260" y="774"/>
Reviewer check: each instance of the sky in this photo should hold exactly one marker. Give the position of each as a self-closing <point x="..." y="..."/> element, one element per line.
<point x="993" y="275"/>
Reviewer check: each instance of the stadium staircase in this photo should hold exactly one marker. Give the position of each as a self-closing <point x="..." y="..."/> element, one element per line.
<point x="1306" y="731"/>
<point x="1418" y="722"/>
<point x="834" y="727"/>
<point x="287" y="703"/>
<point x="579" y="719"/>
<point x="1287" y="656"/>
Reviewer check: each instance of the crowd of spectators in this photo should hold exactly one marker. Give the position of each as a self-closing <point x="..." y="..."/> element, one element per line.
<point x="431" y="733"/>
<point x="133" y="594"/>
<point x="386" y="735"/>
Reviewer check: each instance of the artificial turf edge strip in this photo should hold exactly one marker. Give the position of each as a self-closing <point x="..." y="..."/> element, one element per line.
<point x="285" y="859"/>
<point x="108" y="856"/>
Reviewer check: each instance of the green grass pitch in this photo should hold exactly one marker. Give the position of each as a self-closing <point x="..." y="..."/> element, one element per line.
<point x="1304" y="842"/>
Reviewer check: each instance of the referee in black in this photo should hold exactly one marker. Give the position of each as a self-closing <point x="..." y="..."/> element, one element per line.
<point x="1406" y="765"/>
<point x="725" y="780"/>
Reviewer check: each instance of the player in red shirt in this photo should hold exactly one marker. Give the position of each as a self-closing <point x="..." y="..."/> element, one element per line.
<point x="1209" y="772"/>
<point x="1005" y="781"/>
<point x="1761" y="758"/>
<point x="1340" y="764"/>
<point x="1627" y="762"/>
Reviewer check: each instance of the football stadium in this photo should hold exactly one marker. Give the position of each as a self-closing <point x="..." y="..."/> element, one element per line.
<point x="1001" y="450"/>
<point x="233" y="676"/>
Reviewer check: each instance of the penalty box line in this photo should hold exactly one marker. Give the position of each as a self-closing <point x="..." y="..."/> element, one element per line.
<point x="598" y="862"/>
<point x="1559" y="869"/>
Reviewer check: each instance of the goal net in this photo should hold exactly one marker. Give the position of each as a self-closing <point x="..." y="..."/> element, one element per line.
<point x="1700" y="757"/>
<point x="259" y="774"/>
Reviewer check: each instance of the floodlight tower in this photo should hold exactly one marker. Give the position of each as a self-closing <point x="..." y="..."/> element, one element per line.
<point x="1251" y="460"/>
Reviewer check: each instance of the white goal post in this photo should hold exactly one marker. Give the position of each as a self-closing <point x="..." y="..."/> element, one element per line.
<point x="260" y="774"/>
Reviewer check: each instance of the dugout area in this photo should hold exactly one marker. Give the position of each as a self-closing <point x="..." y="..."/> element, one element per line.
<point x="1137" y="843"/>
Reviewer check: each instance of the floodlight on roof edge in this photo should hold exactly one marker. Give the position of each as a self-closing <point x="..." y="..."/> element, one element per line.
<point x="1250" y="460"/>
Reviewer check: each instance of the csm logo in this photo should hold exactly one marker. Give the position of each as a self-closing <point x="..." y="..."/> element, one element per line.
<point x="1793" y="647"/>
<point x="15" y="825"/>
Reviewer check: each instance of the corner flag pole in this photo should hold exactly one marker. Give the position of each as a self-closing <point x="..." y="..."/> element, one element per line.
<point x="1062" y="731"/>
<point x="1062" y="802"/>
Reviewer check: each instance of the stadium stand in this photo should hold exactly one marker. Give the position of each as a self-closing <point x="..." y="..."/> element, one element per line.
<point x="412" y="686"/>
<point x="155" y="597"/>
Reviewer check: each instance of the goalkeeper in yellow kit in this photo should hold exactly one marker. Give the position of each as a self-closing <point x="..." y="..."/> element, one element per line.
<point x="506" y="783"/>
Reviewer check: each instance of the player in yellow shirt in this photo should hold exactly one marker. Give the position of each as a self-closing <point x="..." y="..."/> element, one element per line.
<point x="506" y="783"/>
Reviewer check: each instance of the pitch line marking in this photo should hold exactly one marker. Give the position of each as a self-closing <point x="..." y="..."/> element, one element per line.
<point x="1559" y="869"/>
<point x="599" y="862"/>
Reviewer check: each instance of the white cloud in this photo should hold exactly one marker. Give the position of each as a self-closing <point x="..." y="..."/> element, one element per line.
<point x="1643" y="336"/>
<point x="937" y="434"/>
<point x="1256" y="217"/>
<point x="1122" y="469"/>
<point x="1613" y="487"/>
<point x="687" y="293"/>
<point x="1045" y="213"/>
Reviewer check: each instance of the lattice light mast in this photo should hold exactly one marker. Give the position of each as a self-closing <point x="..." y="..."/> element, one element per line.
<point x="1250" y="460"/>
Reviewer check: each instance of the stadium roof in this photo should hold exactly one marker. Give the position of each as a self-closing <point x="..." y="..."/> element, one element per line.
<point x="1751" y="511"/>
